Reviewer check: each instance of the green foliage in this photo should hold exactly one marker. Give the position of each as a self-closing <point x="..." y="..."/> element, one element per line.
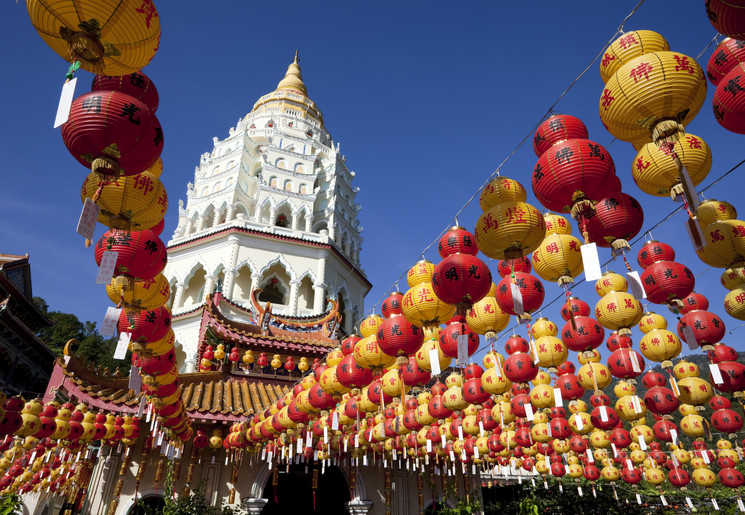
<point x="465" y="504"/>
<point x="93" y="348"/>
<point x="10" y="504"/>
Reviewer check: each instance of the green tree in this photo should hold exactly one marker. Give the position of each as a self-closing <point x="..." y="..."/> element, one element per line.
<point x="93" y="348"/>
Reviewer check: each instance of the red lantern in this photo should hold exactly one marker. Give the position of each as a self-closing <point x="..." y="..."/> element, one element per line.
<point x="622" y="365"/>
<point x="707" y="327"/>
<point x="679" y="477"/>
<point x="620" y="437"/>
<point x="473" y="392"/>
<point x="348" y="343"/>
<point x="515" y="344"/>
<point x="457" y="240"/>
<point x="726" y="56"/>
<point x="584" y="335"/>
<point x="667" y="281"/>
<point x="461" y="280"/>
<point x="591" y="472"/>
<point x="351" y="375"/>
<point x="733" y="377"/>
<point x="722" y="353"/>
<point x="531" y="291"/>
<point x="113" y="133"/>
<point x="320" y="399"/>
<point x="261" y="362"/>
<point x="731" y="477"/>
<point x="137" y="85"/>
<point x="556" y="129"/>
<point x="660" y="400"/>
<point x="570" y="171"/>
<point x="618" y="341"/>
<point x="437" y="408"/>
<point x="449" y="338"/>
<point x="631" y="476"/>
<point x="618" y="218"/>
<point x="520" y="368"/>
<point x="729" y="100"/>
<point x="694" y="301"/>
<point x="413" y="375"/>
<point x="604" y="421"/>
<point x="392" y="304"/>
<point x="399" y="337"/>
<point x="290" y="365"/>
<point x="727" y="421"/>
<point x="575" y="307"/>
<point x="727" y="17"/>
<point x="653" y="251"/>
<point x="506" y="267"/>
<point x="662" y="432"/>
<point x="140" y="254"/>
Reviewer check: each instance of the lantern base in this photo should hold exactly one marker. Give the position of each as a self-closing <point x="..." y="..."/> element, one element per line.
<point x="106" y="169"/>
<point x="624" y="331"/>
<point x="666" y="364"/>
<point x="667" y="131"/>
<point x="84" y="46"/>
<point x="676" y="191"/>
<point x="620" y="245"/>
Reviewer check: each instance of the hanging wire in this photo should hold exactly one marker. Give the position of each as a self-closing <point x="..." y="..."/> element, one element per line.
<point x="529" y="135"/>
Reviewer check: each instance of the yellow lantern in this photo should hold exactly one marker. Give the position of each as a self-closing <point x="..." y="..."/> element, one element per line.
<point x="303" y="366"/>
<point x="543" y="327"/>
<point x="710" y="211"/>
<point x="556" y="224"/>
<point x="618" y="311"/>
<point x="369" y="326"/>
<point x="734" y="303"/>
<point x="724" y="244"/>
<point x="215" y="441"/>
<point x="704" y="477"/>
<point x="132" y="203"/>
<point x="650" y="321"/>
<point x="330" y="383"/>
<point x="642" y="430"/>
<point x="652" y="96"/>
<point x="558" y="258"/>
<point x="423" y="308"/>
<point x="367" y="354"/>
<point x="551" y="352"/>
<point x="660" y="345"/>
<point x="574" y="470"/>
<point x="656" y="173"/>
<point x="502" y="412"/>
<point x="248" y="357"/>
<point x="693" y="425"/>
<point x="630" y="409"/>
<point x="146" y="294"/>
<point x="654" y="476"/>
<point x="510" y="230"/>
<point x="220" y="352"/>
<point x="423" y="354"/>
<point x="453" y="398"/>
<point x="500" y="190"/>
<point x="492" y="359"/>
<point x="580" y="423"/>
<point x="392" y="384"/>
<point x="487" y="318"/>
<point x="628" y="46"/>
<point x="610" y="473"/>
<point x="560" y="445"/>
<point x="594" y="376"/>
<point x="542" y="396"/>
<point x="733" y="278"/>
<point x="494" y="381"/>
<point x="108" y="37"/>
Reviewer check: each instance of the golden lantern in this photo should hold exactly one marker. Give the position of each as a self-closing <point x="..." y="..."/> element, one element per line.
<point x="334" y="357"/>
<point x="423" y="354"/>
<point x="145" y="295"/>
<point x="616" y="310"/>
<point x="421" y="272"/>
<point x="135" y="202"/>
<point x="543" y="327"/>
<point x="630" y="409"/>
<point x="453" y="398"/>
<point x="156" y="348"/>
<point x="423" y="308"/>
<point x="108" y="37"/>
<point x="660" y="345"/>
<point x="628" y="46"/>
<point x="580" y="423"/>
<point x="369" y="326"/>
<point x="651" y="321"/>
<point x="330" y="383"/>
<point x="710" y="211"/>
<point x="487" y="318"/>
<point x="654" y="476"/>
<point x="550" y="352"/>
<point x="492" y="359"/>
<point x="560" y="445"/>
<point x="494" y="381"/>
<point x="734" y="303"/>
<point x="510" y="230"/>
<point x="556" y="224"/>
<point x="693" y="425"/>
<point x="367" y="354"/>
<point x="454" y="379"/>
<point x="724" y="244"/>
<point x="542" y="396"/>
<point x="704" y="476"/>
<point x="733" y="278"/>
<point x="656" y="173"/>
<point x="392" y="384"/>
<point x="594" y="376"/>
<point x="500" y="190"/>
<point x="502" y="412"/>
<point x="652" y="96"/>
<point x="303" y="366"/>
<point x="558" y="258"/>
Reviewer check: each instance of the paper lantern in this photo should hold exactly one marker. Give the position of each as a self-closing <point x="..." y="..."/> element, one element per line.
<point x="510" y="230"/>
<point x="450" y="335"/>
<point x="140" y="254"/>
<point x="422" y="307"/>
<point x="618" y="218"/>
<point x="724" y="244"/>
<point x="399" y="338"/>
<point x="112" y="133"/>
<point x="653" y="251"/>
<point x="734" y="303"/>
<point x="652" y="95"/>
<point x="707" y="328"/>
<point x="500" y="190"/>
<point x="550" y="352"/>
<point x="618" y="311"/>
<point x="667" y="282"/>
<point x="710" y="211"/>
<point x="555" y="129"/>
<point x="461" y="279"/>
<point x="729" y="100"/>
<point x="656" y="173"/>
<point x="558" y="258"/>
<point x="106" y="36"/>
<point x="660" y="345"/>
<point x="487" y="318"/>
<point x="530" y="288"/>
<point x="146" y="326"/>
<point x="135" y="84"/>
<point x="368" y="354"/>
<point x="144" y="295"/>
<point x="574" y="307"/>
<point x="727" y="17"/>
<point x="628" y="46"/>
<point x="585" y="334"/>
<point x="131" y="203"/>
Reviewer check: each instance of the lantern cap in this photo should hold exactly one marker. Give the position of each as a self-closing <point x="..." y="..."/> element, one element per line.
<point x="293" y="80"/>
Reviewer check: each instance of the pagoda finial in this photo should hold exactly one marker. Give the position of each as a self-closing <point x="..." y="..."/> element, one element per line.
<point x="293" y="80"/>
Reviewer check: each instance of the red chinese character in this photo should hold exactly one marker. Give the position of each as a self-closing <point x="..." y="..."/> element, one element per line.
<point x="515" y="215"/>
<point x="693" y="142"/>
<point x="739" y="230"/>
<point x="553" y="248"/>
<point x="627" y="41"/>
<point x="144" y="183"/>
<point x="607" y="98"/>
<point x="574" y="245"/>
<point x="612" y="307"/>
<point x="683" y="63"/>
<point x="488" y="308"/>
<point x="163" y="202"/>
<point x="489" y="223"/>
<point x="424" y="296"/>
<point x="148" y="9"/>
<point x="740" y="298"/>
<point x="641" y="71"/>
<point x="629" y="303"/>
<point x="607" y="59"/>
<point x="641" y="164"/>
<point x="715" y="236"/>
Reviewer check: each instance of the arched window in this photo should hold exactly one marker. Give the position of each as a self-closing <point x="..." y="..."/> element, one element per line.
<point x="299" y="168"/>
<point x="303" y="189"/>
<point x="288" y="185"/>
<point x="273" y="182"/>
<point x="280" y="163"/>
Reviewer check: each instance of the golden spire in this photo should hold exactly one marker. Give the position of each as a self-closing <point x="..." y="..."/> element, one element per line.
<point x="293" y="80"/>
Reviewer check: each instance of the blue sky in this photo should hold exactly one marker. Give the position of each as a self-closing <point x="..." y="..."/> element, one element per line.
<point x="426" y="100"/>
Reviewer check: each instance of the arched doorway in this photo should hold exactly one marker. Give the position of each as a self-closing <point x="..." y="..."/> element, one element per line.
<point x="293" y="493"/>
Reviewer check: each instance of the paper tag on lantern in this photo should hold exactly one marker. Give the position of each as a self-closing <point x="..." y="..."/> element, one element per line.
<point x="642" y="443"/>
<point x="615" y="452"/>
<point x="121" y="346"/>
<point x="590" y="457"/>
<point x="714" y="503"/>
<point x="664" y="501"/>
<point x="529" y="412"/>
<point x="462" y="350"/>
<point x="326" y="434"/>
<point x="635" y="283"/>
<point x="629" y="464"/>
<point x="689" y="189"/>
<point x="739" y="504"/>
<point x="460" y="432"/>
<point x="638" y="499"/>
<point x="558" y="399"/>
<point x="517" y="300"/>
<point x="690" y="337"/>
<point x="141" y="408"/>
<point x="548" y="430"/>
<point x="674" y="436"/>
<point x="689" y="503"/>
<point x="695" y="233"/>
<point x="443" y="440"/>
<point x="674" y="387"/>
<point x="475" y="452"/>
<point x="429" y="445"/>
<point x="463" y="455"/>
<point x="300" y="445"/>
<point x="346" y="442"/>
<point x="635" y="367"/>
<point x="106" y="270"/>
<point x="591" y="262"/>
<point x="579" y="491"/>
<point x="636" y="404"/>
<point x="335" y="421"/>
<point x="534" y="351"/>
<point x="578" y="421"/>
<point x="498" y="367"/>
<point x="481" y="429"/>
<point x="716" y="374"/>
<point x="108" y="326"/>
<point x="88" y="218"/>
<point x="135" y="379"/>
<point x="603" y="414"/>
<point x="548" y="462"/>
<point x="452" y="458"/>
<point x="434" y="362"/>
<point x="65" y="102"/>
<point x="356" y="441"/>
